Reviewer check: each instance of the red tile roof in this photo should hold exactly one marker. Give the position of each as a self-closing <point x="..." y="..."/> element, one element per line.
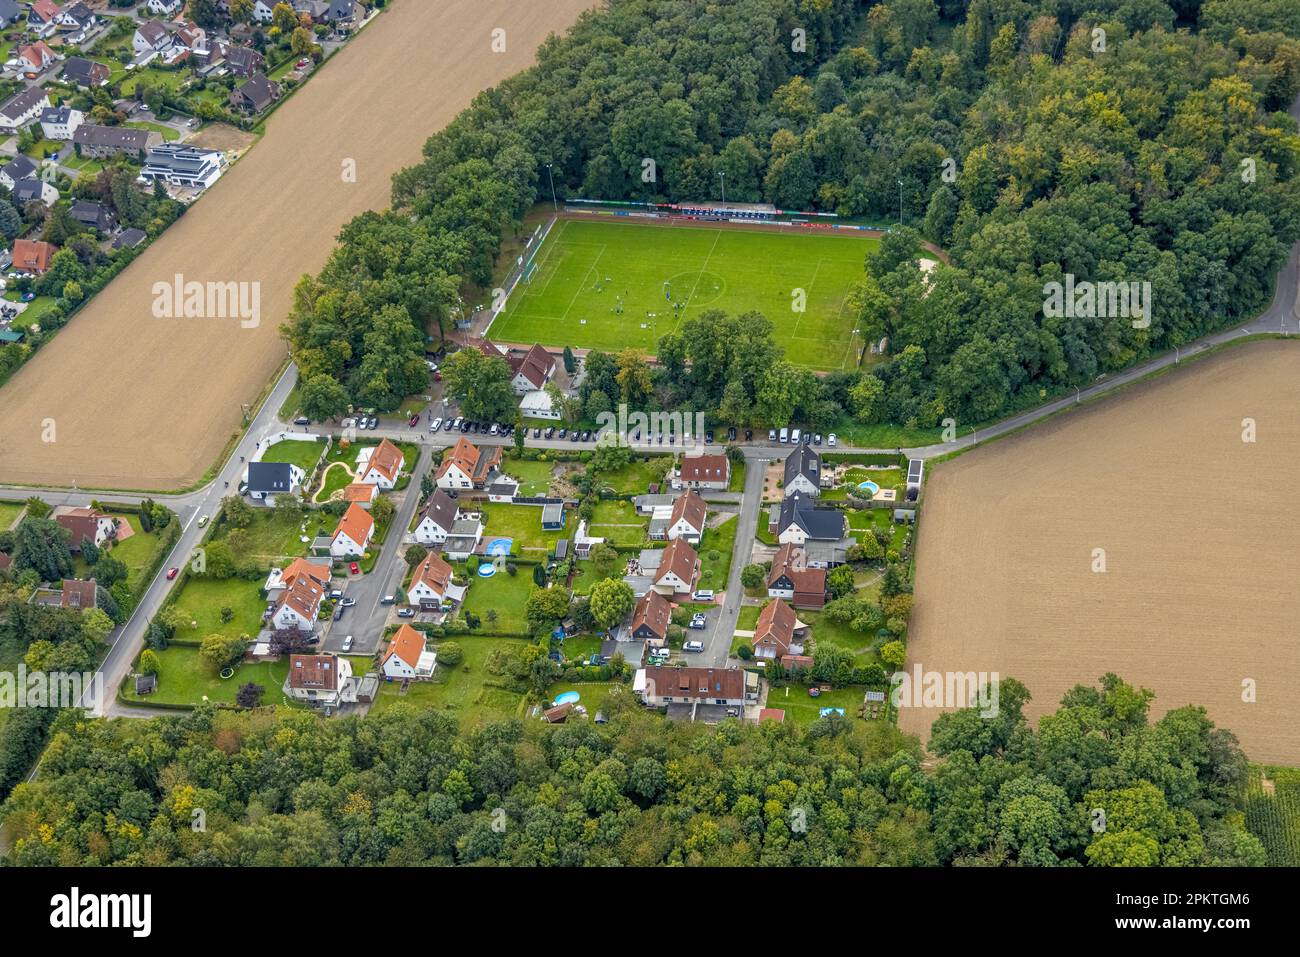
<point x="691" y="507"/>
<point x="314" y="672"/>
<point x="653" y="611"/>
<point x="407" y="644"/>
<point x="356" y="523"/>
<point x="434" y="572"/>
<point x="775" y="627"/>
<point x="702" y="684"/>
<point x="386" y="459"/>
<point x="705" y="468"/>
<point x="32" y="255"/>
<point x="680" y="559"/>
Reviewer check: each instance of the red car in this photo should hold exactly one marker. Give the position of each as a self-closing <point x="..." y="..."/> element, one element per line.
<point x="415" y="420"/>
<point x="354" y="568"/>
<point x="171" y="573"/>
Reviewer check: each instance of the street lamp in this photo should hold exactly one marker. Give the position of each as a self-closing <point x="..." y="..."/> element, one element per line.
<point x="551" y="176"/>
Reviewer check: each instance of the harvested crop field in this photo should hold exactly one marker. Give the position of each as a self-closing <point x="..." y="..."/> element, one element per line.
<point x="146" y="403"/>
<point x="1200" y="532"/>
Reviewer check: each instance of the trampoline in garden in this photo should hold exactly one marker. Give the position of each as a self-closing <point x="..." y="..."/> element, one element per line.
<point x="499" y="546"/>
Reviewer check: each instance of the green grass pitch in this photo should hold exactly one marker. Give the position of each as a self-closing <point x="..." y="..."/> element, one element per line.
<point x="586" y="268"/>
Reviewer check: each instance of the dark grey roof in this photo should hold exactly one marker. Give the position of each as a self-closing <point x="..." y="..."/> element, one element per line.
<point x="56" y="114"/>
<point x="340" y="10"/>
<point x="269" y="477"/>
<point x="826" y="524"/>
<point x="26" y="190"/>
<point x="259" y="91"/>
<point x="20" y="168"/>
<point x="119" y="137"/>
<point x="130" y="238"/>
<point x="803" y="461"/>
<point x="92" y="214"/>
<point x="78" y="69"/>
<point x="441" y="510"/>
<point x="9" y="11"/>
<point x="20" y="103"/>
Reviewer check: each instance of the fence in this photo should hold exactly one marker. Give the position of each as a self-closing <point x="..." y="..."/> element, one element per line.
<point x="521" y="269"/>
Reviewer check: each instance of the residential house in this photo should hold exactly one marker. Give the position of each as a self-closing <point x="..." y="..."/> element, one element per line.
<point x="34" y="58"/>
<point x="151" y="38"/>
<point x="10" y="12"/>
<point x="583" y="543"/>
<point x="186" y="166"/>
<point x="95" y="215"/>
<point x="262" y="10"/>
<point x="85" y="523"/>
<point x="431" y="584"/>
<point x="165" y="8"/>
<point x="800" y="520"/>
<point x="85" y="73"/>
<point x="803" y="472"/>
<point x="298" y="604"/>
<point x="101" y="142"/>
<point x="79" y="594"/>
<point x="792" y="580"/>
<point x="279" y="579"/>
<point x="60" y="122"/>
<point x="665" y="685"/>
<point x="437" y="519"/>
<point x="679" y="569"/>
<point x="266" y="480"/>
<point x="361" y="493"/>
<point x="466" y="466"/>
<point x="42" y="17"/>
<point x="380" y="465"/>
<point x="324" y="680"/>
<point x="352" y="536"/>
<point x="32" y="189"/>
<point x="242" y="61"/>
<point x="777" y="632"/>
<point x="531" y="370"/>
<point x="684" y="518"/>
<point x="32" y="255"/>
<point x="706" y="471"/>
<point x="20" y="167"/>
<point x="22" y="108"/>
<point x="407" y="656"/>
<point x="255" y="94"/>
<point x="75" y="22"/>
<point x="130" y="238"/>
<point x="650" y="620"/>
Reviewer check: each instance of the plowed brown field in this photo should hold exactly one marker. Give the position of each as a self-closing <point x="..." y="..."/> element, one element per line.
<point x="140" y="402"/>
<point x="1201" y="533"/>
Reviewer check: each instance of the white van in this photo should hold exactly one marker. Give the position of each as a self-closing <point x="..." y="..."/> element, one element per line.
<point x="785" y="436"/>
<point x="794" y="437"/>
<point x="693" y="646"/>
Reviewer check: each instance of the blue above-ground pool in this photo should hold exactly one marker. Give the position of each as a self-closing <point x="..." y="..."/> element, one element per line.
<point x="871" y="487"/>
<point x="569" y="697"/>
<point x="487" y="570"/>
<point x="499" y="546"/>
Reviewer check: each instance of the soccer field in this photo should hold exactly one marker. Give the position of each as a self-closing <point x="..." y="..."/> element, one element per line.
<point x="586" y="272"/>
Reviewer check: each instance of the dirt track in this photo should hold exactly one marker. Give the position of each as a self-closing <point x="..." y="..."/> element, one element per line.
<point x="1200" y="532"/>
<point x="140" y="402"/>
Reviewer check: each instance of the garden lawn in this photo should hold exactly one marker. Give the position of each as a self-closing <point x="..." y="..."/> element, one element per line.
<point x="802" y="709"/>
<point x="305" y="455"/>
<point x="736" y="480"/>
<point x="635" y="477"/>
<point x="534" y="477"/>
<point x="201" y="600"/>
<point x="136" y="552"/>
<point x="9" y="512"/>
<point x="465" y="692"/>
<point x="618" y="523"/>
<point x="862" y="519"/>
<point x="166" y="132"/>
<point x="826" y="632"/>
<point x="185" y="678"/>
<point x="591" y="694"/>
<point x="506" y="593"/>
<point x="272" y="538"/>
<point x="523" y="523"/>
<point x="337" y="475"/>
<point x="715" y="555"/>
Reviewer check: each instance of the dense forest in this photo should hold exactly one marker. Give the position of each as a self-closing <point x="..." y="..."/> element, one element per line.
<point x="1111" y="140"/>
<point x="1096" y="784"/>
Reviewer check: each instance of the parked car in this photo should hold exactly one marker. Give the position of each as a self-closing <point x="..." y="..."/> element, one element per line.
<point x="575" y="435"/>
<point x="348" y="602"/>
<point x="794" y="436"/>
<point x="436" y="424"/>
<point x="347" y="643"/>
<point x="785" y="436"/>
<point x="693" y="646"/>
<point x="338" y="612"/>
<point x="495" y="429"/>
<point x="172" y="573"/>
<point x="302" y="420"/>
<point x="404" y="612"/>
<point x="336" y="594"/>
<point x="388" y="600"/>
<point x="698" y="624"/>
<point x="354" y="568"/>
<point x="708" y="437"/>
<point x="562" y="433"/>
<point x="731" y="434"/>
<point x="704" y="594"/>
<point x="771" y="435"/>
<point x="414" y="420"/>
<point x="550" y="431"/>
<point x="537" y="433"/>
<point x="749" y="434"/>
<point x="830" y="440"/>
<point x="817" y="439"/>
<point x="586" y="435"/>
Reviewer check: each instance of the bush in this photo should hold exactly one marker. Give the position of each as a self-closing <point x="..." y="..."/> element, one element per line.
<point x="149" y="663"/>
<point x="450" y="654"/>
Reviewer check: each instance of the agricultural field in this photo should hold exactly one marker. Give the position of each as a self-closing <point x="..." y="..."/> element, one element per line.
<point x="1273" y="812"/>
<point x="200" y="373"/>
<point x="1009" y="534"/>
<point x="609" y="285"/>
